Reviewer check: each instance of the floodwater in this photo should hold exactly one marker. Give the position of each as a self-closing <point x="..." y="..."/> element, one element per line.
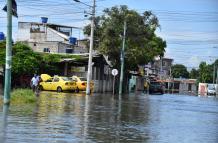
<point x="69" y="118"/>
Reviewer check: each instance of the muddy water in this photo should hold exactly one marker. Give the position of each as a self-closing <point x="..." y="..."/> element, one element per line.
<point x="67" y="118"/>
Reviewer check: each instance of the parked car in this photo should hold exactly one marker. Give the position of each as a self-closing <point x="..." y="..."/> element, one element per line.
<point x="211" y="90"/>
<point x="58" y="83"/>
<point x="81" y="83"/>
<point x="156" y="87"/>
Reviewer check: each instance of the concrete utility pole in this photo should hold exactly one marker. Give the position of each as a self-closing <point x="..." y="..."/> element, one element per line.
<point x="89" y="75"/>
<point x="217" y="82"/>
<point x="214" y="72"/>
<point x="161" y="67"/>
<point x="7" y="88"/>
<point x="122" y="61"/>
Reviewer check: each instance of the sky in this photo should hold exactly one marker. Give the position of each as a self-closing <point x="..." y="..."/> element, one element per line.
<point x="188" y="26"/>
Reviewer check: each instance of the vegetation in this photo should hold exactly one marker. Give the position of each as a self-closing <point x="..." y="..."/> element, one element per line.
<point x="142" y="44"/>
<point x="22" y="96"/>
<point x="204" y="73"/>
<point x="26" y="62"/>
<point x="179" y="70"/>
<point x="194" y="74"/>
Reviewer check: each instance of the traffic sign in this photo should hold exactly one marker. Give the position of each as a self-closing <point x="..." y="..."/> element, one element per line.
<point x="114" y="72"/>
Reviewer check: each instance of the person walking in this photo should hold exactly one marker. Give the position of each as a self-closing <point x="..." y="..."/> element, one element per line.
<point x="34" y="82"/>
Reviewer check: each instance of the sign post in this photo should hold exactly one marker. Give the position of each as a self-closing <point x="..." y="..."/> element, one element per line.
<point x="114" y="73"/>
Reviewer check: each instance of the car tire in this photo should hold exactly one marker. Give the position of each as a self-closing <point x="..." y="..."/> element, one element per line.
<point x="77" y="90"/>
<point x="59" y="89"/>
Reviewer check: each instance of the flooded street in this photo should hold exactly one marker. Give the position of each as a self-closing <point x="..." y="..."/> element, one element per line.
<point x="67" y="118"/>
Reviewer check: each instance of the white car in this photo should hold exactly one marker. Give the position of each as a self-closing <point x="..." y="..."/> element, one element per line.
<point x="211" y="90"/>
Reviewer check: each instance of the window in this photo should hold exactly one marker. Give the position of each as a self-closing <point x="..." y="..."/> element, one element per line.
<point x="164" y="63"/>
<point x="46" y="50"/>
<point x="56" y="79"/>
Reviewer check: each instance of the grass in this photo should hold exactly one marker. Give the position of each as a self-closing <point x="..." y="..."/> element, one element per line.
<point x="22" y="96"/>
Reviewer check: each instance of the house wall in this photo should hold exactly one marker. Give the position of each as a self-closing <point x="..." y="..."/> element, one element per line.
<point x="52" y="36"/>
<point x="23" y="32"/>
<point x="166" y="66"/>
<point x="54" y="47"/>
<point x="139" y="83"/>
<point x="81" y="47"/>
<point x="62" y="47"/>
<point x="39" y="47"/>
<point x="184" y="88"/>
<point x="40" y="33"/>
<point x="37" y="37"/>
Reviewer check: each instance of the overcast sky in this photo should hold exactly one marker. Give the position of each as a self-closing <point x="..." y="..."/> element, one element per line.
<point x="188" y="26"/>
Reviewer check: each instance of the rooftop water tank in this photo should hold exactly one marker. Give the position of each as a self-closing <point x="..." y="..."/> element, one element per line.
<point x="72" y="40"/>
<point x="2" y="36"/>
<point x="44" y="19"/>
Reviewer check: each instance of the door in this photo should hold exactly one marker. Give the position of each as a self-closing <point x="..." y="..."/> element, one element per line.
<point x="55" y="83"/>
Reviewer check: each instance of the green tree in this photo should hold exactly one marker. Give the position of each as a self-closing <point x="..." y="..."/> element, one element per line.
<point x="24" y="60"/>
<point x="142" y="45"/>
<point x="194" y="74"/>
<point x="205" y="73"/>
<point x="179" y="70"/>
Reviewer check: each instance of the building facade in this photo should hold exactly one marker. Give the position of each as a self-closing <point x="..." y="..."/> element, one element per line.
<point x="45" y="37"/>
<point x="159" y="68"/>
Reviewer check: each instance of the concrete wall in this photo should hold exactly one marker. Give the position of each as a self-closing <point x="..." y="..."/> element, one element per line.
<point x="23" y="32"/>
<point x="139" y="83"/>
<point x="39" y="47"/>
<point x="62" y="47"/>
<point x="39" y="33"/>
<point x="188" y="88"/>
<point x="54" y="47"/>
<point x="52" y="36"/>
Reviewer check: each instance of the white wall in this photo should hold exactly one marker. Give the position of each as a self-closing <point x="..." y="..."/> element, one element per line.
<point x="52" y="36"/>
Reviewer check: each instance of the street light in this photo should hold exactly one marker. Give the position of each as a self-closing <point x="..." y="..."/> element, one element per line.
<point x="82" y="3"/>
<point x="91" y="46"/>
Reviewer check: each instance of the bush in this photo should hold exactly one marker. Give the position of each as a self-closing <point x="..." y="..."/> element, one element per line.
<point x="19" y="96"/>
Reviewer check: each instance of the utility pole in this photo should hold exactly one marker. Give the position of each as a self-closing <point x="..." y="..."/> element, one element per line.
<point x="217" y="82"/>
<point x="7" y="88"/>
<point x="89" y="74"/>
<point x="214" y="72"/>
<point x="161" y="67"/>
<point x="122" y="60"/>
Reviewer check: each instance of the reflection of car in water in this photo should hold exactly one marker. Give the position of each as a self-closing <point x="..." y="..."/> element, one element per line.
<point x="81" y="83"/>
<point x="156" y="87"/>
<point x="58" y="83"/>
<point x="211" y="90"/>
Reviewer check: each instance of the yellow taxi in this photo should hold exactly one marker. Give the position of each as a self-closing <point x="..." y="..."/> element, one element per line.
<point x="81" y="83"/>
<point x="57" y="83"/>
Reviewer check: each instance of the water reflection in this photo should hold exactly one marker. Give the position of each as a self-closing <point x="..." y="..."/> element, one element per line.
<point x="93" y="118"/>
<point x="67" y="117"/>
<point x="4" y="123"/>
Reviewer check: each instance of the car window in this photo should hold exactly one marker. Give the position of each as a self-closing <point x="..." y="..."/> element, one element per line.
<point x="211" y="87"/>
<point x="74" y="79"/>
<point x="83" y="79"/>
<point x="66" y="78"/>
<point x="56" y="79"/>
